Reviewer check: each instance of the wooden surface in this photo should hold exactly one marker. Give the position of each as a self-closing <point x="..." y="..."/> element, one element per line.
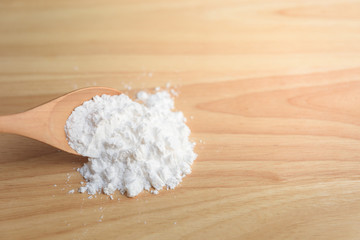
<point x="274" y="90"/>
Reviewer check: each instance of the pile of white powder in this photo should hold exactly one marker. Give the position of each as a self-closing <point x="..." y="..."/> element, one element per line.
<point x="131" y="145"/>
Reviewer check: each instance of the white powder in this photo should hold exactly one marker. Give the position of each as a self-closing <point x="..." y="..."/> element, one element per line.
<point x="131" y="145"/>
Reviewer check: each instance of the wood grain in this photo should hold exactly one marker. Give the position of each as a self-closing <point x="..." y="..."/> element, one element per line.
<point x="273" y="88"/>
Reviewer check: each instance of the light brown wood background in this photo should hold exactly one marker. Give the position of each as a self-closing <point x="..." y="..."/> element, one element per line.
<point x="274" y="89"/>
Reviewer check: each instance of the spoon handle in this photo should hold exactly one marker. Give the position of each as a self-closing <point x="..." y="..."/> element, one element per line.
<point x="10" y="123"/>
<point x="29" y="124"/>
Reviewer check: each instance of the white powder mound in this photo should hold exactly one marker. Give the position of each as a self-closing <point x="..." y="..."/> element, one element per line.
<point x="131" y="145"/>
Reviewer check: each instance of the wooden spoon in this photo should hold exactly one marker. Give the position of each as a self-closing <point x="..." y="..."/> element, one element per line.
<point x="46" y="122"/>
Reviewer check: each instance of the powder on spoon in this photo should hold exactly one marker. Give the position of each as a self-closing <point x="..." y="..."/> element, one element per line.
<point x="131" y="145"/>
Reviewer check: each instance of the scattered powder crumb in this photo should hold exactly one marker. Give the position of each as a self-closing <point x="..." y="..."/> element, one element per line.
<point x="174" y="222"/>
<point x="191" y="117"/>
<point x="71" y="191"/>
<point x="90" y="197"/>
<point x="82" y="183"/>
<point x="174" y="93"/>
<point x="144" y="222"/>
<point x="154" y="192"/>
<point x="132" y="145"/>
<point x="150" y="74"/>
<point x="168" y="85"/>
<point x="118" y="199"/>
<point x="157" y="89"/>
<point x="101" y="218"/>
<point x="127" y="86"/>
<point x="55" y="185"/>
<point x="111" y="197"/>
<point x="68" y="177"/>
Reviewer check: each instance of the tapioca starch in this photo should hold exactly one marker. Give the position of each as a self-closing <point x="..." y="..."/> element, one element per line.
<point x="132" y="145"/>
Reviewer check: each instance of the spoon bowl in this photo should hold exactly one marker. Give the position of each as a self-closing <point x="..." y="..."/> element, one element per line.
<point x="46" y="122"/>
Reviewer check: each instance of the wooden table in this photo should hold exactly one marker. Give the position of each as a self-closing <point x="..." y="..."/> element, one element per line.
<point x="274" y="90"/>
